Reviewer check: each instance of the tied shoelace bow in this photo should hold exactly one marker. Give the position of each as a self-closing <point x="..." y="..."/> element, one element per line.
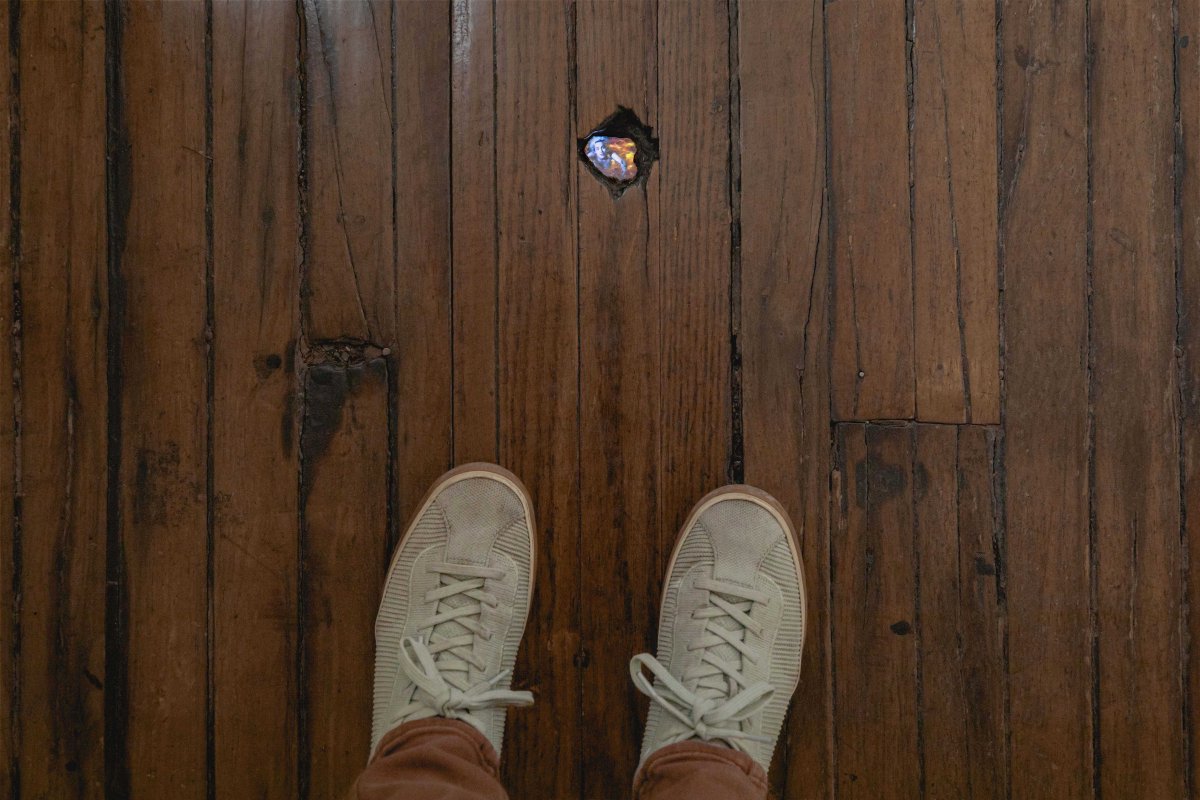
<point x="439" y="664"/>
<point x="723" y="697"/>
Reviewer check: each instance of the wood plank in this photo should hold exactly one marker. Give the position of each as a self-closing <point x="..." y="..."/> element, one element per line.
<point x="1044" y="258"/>
<point x="1136" y="508"/>
<point x="422" y="362"/>
<point x="160" y="306"/>
<point x="349" y="307"/>
<point x="538" y="377"/>
<point x="956" y="315"/>
<point x="942" y="698"/>
<point x="255" y="425"/>
<point x="344" y="549"/>
<point x="1188" y="186"/>
<point x="619" y="408"/>
<point x="874" y="613"/>
<point x="872" y="370"/>
<point x="980" y="537"/>
<point x="65" y="400"/>
<point x="474" y="232"/>
<point x="349" y="277"/>
<point x="691" y="210"/>
<point x="9" y="415"/>
<point x="784" y="327"/>
<point x="961" y="631"/>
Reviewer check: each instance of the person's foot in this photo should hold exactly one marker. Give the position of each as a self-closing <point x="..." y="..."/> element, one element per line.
<point x="454" y="605"/>
<point x="730" y="630"/>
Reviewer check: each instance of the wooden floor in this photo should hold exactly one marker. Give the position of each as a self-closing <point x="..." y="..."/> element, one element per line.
<point x="930" y="275"/>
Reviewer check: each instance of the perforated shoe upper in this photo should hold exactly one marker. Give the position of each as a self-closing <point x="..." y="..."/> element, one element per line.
<point x="455" y="604"/>
<point x="731" y="629"/>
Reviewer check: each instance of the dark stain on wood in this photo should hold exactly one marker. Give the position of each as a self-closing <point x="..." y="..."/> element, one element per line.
<point x="326" y="387"/>
<point x="156" y="484"/>
<point x="326" y="390"/>
<point x="264" y="365"/>
<point x="878" y="480"/>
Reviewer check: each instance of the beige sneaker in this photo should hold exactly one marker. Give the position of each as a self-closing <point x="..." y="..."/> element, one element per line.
<point x="730" y="630"/>
<point x="454" y="605"/>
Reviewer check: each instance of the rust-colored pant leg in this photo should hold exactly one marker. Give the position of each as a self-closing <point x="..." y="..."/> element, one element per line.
<point x="699" y="771"/>
<point x="433" y="759"/>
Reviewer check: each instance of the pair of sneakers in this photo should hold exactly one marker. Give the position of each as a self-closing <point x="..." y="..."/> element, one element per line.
<point x="731" y="625"/>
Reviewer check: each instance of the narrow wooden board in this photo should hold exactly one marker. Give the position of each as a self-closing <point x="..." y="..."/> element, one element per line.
<point x="691" y="211"/>
<point x="1044" y="262"/>
<point x="784" y="327"/>
<point x="961" y="628"/>
<point x="954" y="133"/>
<point x="538" y="377"/>
<point x="344" y="550"/>
<point x="944" y="758"/>
<point x="985" y="616"/>
<point x="65" y="400"/>
<point x="349" y="276"/>
<point x="348" y="298"/>
<point x="873" y="616"/>
<point x="872" y="370"/>
<point x="1187" y="43"/>
<point x="474" y="231"/>
<point x="9" y="427"/>
<point x="422" y="362"/>
<point x="619" y="401"/>
<point x="256" y="264"/>
<point x="1134" y="390"/>
<point x="159" y="299"/>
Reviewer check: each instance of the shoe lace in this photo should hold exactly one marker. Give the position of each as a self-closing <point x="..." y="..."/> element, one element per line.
<point x="439" y="663"/>
<point x="723" y="697"/>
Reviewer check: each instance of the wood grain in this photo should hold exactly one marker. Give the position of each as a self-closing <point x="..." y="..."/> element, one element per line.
<point x="985" y="616"/>
<point x="691" y="211"/>
<point x="348" y="244"/>
<point x="954" y="139"/>
<point x="344" y="550"/>
<point x="474" y="232"/>
<point x="784" y="327"/>
<point x="423" y="363"/>
<point x="873" y="616"/>
<point x="256" y="260"/>
<point x="538" y="377"/>
<point x="1187" y="43"/>
<point x="961" y="628"/>
<point x="64" y="410"/>
<point x="349" y="307"/>
<point x="1044" y="256"/>
<point x="872" y="349"/>
<point x="619" y="397"/>
<point x="160" y="271"/>
<point x="350" y="281"/>
<point x="1134" y="382"/>
<point x="10" y="720"/>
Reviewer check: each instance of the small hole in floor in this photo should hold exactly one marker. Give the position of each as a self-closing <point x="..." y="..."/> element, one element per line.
<point x="619" y="151"/>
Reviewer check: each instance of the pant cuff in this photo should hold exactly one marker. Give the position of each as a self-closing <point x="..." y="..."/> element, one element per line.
<point x="396" y="738"/>
<point x="695" y="751"/>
